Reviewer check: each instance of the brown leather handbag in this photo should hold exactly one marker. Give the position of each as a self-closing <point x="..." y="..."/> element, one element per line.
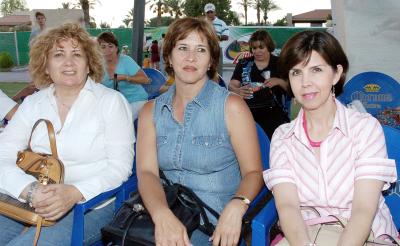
<point x="47" y="169"/>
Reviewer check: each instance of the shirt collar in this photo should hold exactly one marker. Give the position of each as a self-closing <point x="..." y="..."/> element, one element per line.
<point x="340" y="122"/>
<point x="202" y="99"/>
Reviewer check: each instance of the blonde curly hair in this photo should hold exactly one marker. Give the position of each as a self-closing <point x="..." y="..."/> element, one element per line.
<point x="45" y="42"/>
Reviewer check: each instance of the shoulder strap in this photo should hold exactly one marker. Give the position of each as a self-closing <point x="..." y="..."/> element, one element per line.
<point x="52" y="138"/>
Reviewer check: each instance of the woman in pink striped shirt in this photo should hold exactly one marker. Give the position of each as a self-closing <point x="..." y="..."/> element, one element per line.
<point x="330" y="159"/>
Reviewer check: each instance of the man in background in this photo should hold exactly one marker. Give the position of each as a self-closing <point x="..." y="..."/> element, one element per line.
<point x="219" y="25"/>
<point x="41" y="25"/>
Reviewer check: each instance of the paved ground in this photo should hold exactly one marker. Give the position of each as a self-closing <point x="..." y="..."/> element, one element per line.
<point x="16" y="75"/>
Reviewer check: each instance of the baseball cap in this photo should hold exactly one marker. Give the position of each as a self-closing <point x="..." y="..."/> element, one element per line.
<point x="209" y="7"/>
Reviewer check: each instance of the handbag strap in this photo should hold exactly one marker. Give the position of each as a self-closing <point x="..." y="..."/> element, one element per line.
<point x="52" y="138"/>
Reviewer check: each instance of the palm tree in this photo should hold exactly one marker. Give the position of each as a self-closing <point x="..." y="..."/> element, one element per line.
<point x="67" y="5"/>
<point x="246" y="4"/>
<point x="129" y="18"/>
<point x="85" y="5"/>
<point x="175" y="7"/>
<point x="257" y="5"/>
<point x="159" y="7"/>
<point x="267" y="6"/>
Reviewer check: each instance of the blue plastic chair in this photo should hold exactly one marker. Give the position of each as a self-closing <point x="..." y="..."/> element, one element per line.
<point x="120" y="193"/>
<point x="263" y="222"/>
<point x="157" y="79"/>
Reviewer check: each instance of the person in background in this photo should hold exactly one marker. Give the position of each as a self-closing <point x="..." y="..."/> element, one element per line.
<point x="330" y="162"/>
<point x="7" y="107"/>
<point x="66" y="65"/>
<point x="256" y="79"/>
<point x="130" y="76"/>
<point x="220" y="26"/>
<point x="199" y="135"/>
<point x="155" y="55"/>
<point x="146" y="60"/>
<point x="41" y="25"/>
<point x="160" y="47"/>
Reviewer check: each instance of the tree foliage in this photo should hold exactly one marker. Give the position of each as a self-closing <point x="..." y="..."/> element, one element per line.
<point x="281" y="22"/>
<point x="246" y="4"/>
<point x="85" y="5"/>
<point x="165" y="21"/>
<point x="8" y="7"/>
<point x="159" y="7"/>
<point x="175" y="8"/>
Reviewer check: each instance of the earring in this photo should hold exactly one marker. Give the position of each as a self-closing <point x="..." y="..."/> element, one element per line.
<point x="333" y="92"/>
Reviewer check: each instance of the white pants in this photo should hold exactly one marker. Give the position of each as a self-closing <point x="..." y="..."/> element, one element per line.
<point x="135" y="107"/>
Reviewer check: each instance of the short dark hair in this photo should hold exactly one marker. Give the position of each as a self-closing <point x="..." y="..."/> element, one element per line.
<point x="37" y="14"/>
<point x="263" y="37"/>
<point x="180" y="29"/>
<point x="108" y="37"/>
<point x="299" y="47"/>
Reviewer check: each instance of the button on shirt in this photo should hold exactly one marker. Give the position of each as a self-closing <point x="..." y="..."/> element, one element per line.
<point x="354" y="149"/>
<point x="95" y="144"/>
<point x="6" y="104"/>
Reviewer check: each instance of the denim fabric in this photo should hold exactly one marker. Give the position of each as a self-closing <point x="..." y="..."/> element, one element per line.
<point x="11" y="232"/>
<point x="198" y="152"/>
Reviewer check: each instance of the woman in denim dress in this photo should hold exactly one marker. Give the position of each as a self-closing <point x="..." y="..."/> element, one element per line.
<point x="201" y="136"/>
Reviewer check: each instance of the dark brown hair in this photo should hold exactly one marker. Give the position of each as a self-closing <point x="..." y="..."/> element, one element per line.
<point x="108" y="37"/>
<point x="298" y="50"/>
<point x="263" y="37"/>
<point x="180" y="29"/>
<point x="37" y="14"/>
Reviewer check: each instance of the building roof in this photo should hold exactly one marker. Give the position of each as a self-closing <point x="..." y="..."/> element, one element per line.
<point x="315" y="16"/>
<point x="15" y="20"/>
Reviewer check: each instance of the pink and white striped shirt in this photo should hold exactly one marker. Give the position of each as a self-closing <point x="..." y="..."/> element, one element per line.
<point x="354" y="149"/>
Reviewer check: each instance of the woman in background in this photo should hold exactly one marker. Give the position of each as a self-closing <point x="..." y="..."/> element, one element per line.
<point x="130" y="76"/>
<point x="256" y="79"/>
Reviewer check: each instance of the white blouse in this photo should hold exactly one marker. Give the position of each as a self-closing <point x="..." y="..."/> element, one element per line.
<point x="6" y="104"/>
<point x="95" y="144"/>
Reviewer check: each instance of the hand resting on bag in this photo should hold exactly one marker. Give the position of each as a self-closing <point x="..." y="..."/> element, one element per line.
<point x="169" y="230"/>
<point x="55" y="200"/>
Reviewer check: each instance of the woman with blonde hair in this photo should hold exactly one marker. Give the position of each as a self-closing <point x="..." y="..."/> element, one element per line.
<point x="94" y="135"/>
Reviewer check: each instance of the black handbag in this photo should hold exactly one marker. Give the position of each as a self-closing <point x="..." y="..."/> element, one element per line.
<point x="132" y="224"/>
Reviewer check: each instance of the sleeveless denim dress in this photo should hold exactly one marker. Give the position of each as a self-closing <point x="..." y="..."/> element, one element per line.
<point x="198" y="152"/>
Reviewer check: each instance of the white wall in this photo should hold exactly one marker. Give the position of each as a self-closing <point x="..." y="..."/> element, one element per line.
<point x="369" y="31"/>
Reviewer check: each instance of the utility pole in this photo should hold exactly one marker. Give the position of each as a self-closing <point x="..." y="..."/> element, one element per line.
<point x="138" y="31"/>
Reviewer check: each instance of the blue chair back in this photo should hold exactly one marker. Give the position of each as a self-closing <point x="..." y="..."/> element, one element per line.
<point x="392" y="196"/>
<point x="264" y="143"/>
<point x="157" y="79"/>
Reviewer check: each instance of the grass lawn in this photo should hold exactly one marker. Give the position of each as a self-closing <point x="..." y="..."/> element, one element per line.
<point x="11" y="88"/>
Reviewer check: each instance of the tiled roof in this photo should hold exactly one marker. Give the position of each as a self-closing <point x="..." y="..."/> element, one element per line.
<point x="15" y="20"/>
<point x="317" y="15"/>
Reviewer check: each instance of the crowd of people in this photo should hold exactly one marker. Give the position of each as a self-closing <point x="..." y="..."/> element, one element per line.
<point x="328" y="161"/>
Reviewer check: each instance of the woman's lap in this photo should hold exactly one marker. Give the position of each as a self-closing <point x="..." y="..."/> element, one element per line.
<point x="58" y="234"/>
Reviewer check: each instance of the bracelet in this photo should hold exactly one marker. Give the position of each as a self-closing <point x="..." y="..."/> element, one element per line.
<point x="242" y="198"/>
<point x="29" y="196"/>
<point x="310" y="244"/>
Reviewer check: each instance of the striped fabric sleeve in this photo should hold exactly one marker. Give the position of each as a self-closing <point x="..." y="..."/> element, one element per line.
<point x="280" y="170"/>
<point x="372" y="161"/>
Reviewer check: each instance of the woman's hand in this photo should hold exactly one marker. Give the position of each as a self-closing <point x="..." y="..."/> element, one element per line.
<point x="245" y="91"/>
<point x="229" y="224"/>
<point x="169" y="230"/>
<point x="55" y="200"/>
<point x="271" y="82"/>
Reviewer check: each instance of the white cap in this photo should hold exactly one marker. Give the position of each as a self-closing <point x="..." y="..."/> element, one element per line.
<point x="209" y="7"/>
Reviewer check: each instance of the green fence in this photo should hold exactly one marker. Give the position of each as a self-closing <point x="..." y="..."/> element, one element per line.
<point x="17" y="43"/>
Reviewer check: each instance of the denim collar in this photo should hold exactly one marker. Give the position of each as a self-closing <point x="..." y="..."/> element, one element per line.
<point x="202" y="99"/>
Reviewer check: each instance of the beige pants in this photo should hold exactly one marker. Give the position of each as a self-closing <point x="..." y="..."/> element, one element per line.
<point x="328" y="235"/>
